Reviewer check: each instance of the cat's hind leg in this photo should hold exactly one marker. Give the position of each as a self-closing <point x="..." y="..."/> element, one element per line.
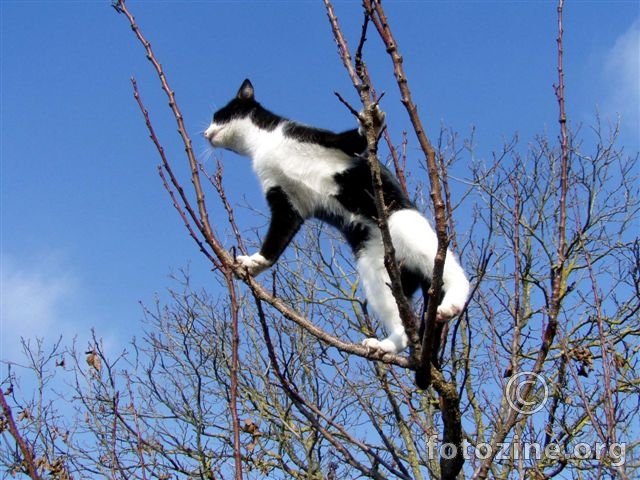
<point x="416" y="245"/>
<point x="376" y="284"/>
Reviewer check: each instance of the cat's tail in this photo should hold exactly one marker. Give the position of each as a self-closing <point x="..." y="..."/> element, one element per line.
<point x="431" y="338"/>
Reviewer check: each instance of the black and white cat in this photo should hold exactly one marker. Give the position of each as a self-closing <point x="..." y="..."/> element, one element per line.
<point x="308" y="172"/>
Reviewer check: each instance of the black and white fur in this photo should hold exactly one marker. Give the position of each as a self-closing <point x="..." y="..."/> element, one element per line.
<point x="307" y="172"/>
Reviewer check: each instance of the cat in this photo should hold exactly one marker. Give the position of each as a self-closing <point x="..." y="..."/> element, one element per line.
<point x="307" y="172"/>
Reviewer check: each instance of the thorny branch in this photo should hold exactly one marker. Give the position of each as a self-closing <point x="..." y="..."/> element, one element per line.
<point x="450" y="401"/>
<point x="360" y="79"/>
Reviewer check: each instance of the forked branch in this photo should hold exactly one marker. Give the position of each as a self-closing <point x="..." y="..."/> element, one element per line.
<point x="377" y="14"/>
<point x="421" y="354"/>
<point x="360" y="78"/>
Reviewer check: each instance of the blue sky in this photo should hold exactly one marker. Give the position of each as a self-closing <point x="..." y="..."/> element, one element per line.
<point x="87" y="230"/>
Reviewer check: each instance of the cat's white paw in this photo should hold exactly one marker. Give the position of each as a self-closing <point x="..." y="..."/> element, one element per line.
<point x="448" y="311"/>
<point x="254" y="264"/>
<point x="386" y="345"/>
<point x="394" y="343"/>
<point x="378" y="119"/>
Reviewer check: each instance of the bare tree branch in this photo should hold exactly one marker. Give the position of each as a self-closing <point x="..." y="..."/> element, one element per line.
<point x="28" y="461"/>
<point x="362" y="83"/>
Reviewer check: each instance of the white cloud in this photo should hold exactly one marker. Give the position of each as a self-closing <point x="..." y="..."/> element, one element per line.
<point x="33" y="299"/>
<point x="622" y="73"/>
<point x="46" y="297"/>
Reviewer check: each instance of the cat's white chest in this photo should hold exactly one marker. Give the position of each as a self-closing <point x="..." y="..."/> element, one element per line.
<point x="304" y="170"/>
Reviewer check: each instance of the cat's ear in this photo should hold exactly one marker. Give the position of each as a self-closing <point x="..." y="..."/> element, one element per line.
<point x="246" y="90"/>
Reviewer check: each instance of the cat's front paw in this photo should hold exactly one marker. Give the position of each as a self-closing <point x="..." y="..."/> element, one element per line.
<point x="447" y="311"/>
<point x="253" y="264"/>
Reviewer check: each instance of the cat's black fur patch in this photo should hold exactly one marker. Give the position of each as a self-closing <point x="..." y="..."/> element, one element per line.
<point x="241" y="108"/>
<point x="411" y="280"/>
<point x="285" y="223"/>
<point x="356" y="233"/>
<point x="350" y="142"/>
<point x="356" y="190"/>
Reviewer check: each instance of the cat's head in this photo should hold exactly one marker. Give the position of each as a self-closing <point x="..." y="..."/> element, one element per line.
<point x="233" y="125"/>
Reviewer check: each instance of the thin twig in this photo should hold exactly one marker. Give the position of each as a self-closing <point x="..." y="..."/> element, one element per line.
<point x="399" y="163"/>
<point x="216" y="181"/>
<point x="233" y="370"/>
<point x="203" y="217"/>
<point x="353" y="111"/>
